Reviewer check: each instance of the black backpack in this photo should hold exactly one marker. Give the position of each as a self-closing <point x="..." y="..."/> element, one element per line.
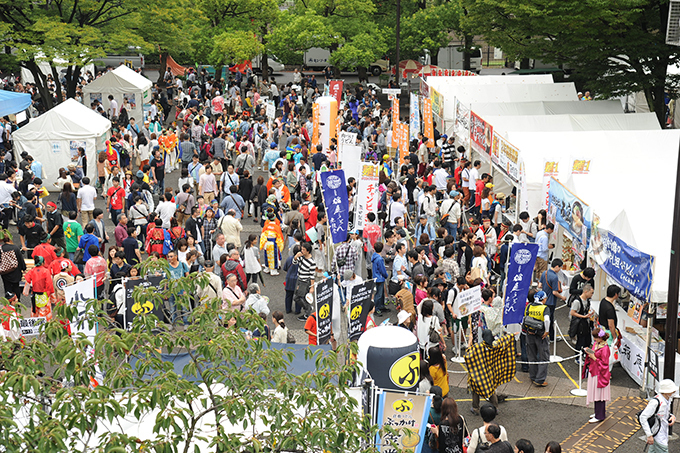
<point x="654" y="422"/>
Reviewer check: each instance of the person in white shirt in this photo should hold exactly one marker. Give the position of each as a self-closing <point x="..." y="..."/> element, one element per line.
<point x="166" y="209"/>
<point x="86" y="196"/>
<point x="441" y="177"/>
<point x="659" y="406"/>
<point x="472" y="182"/>
<point x="113" y="107"/>
<point x="396" y="208"/>
<point x="451" y="208"/>
<point x="529" y="228"/>
<point x="207" y="185"/>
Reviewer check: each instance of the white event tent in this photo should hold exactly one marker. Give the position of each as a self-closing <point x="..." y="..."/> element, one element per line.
<point x="611" y="186"/>
<point x="548" y="108"/>
<point x="121" y="83"/>
<point x="54" y="137"/>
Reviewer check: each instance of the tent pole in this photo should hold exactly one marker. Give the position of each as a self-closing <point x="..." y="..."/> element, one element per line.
<point x="673" y="287"/>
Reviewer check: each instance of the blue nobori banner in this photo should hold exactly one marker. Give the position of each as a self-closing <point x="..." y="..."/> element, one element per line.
<point x="334" y="187"/>
<point x="518" y="282"/>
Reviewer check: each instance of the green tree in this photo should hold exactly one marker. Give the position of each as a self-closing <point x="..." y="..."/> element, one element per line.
<point x="429" y="29"/>
<point x="229" y="380"/>
<point x="73" y="31"/>
<point x="614" y="48"/>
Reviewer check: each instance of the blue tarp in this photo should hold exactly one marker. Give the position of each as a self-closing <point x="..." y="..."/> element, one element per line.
<point x="11" y="102"/>
<point x="298" y="366"/>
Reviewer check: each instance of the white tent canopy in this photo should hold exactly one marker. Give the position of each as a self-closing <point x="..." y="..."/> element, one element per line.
<point x="122" y="82"/>
<point x="439" y="83"/>
<point x="612" y="185"/>
<point x="547" y="108"/>
<point x="526" y="123"/>
<point x="54" y="137"/>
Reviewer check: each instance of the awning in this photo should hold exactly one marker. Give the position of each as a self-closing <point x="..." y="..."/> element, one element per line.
<point x="11" y="102"/>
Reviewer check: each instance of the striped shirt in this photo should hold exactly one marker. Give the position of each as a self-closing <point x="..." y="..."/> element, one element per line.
<point x="306" y="268"/>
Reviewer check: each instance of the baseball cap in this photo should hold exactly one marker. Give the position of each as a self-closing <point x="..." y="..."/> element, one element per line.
<point x="140" y="174"/>
<point x="273" y="145"/>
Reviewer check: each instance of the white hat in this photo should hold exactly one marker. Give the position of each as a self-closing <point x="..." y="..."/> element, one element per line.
<point x="402" y="316"/>
<point x="667" y="386"/>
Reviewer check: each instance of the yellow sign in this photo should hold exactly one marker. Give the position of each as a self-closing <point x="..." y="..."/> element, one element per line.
<point x="324" y="311"/>
<point x="356" y="312"/>
<point x="144" y="308"/>
<point x="405" y="372"/>
<point x="580" y="167"/>
<point x="403" y="405"/>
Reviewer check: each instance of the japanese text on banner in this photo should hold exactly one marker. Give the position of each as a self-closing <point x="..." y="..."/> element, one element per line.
<point x="414" y="117"/>
<point x="570" y="212"/>
<point x="368" y="194"/>
<point x="520" y="270"/>
<point x="481" y="134"/>
<point x="427" y="123"/>
<point x="334" y="188"/>
<point x="395" y="123"/>
<point x="315" y="123"/>
<point x="324" y="310"/>
<point x="505" y="156"/>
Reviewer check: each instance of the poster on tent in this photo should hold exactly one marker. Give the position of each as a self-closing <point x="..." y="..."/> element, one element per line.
<point x="468" y="302"/>
<point x="505" y="156"/>
<point x="75" y="144"/>
<point x="569" y="211"/>
<point x="414" y="117"/>
<point x="481" y="134"/>
<point x="96" y="97"/>
<point x="629" y="267"/>
<point x="550" y="170"/>
<point x="580" y="167"/>
<point x="131" y="99"/>
<point x="461" y="126"/>
<point x="56" y="147"/>
<point x="402" y="411"/>
<point x="437" y="105"/>
<point x="368" y="194"/>
<point x="428" y="129"/>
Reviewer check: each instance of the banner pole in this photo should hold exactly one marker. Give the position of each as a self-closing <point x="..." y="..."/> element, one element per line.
<point x="580" y="391"/>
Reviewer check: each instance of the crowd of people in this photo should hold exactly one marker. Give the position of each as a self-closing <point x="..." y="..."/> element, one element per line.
<point x="439" y="229"/>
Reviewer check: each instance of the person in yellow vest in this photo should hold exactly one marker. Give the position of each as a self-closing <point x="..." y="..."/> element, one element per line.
<point x="537" y="331"/>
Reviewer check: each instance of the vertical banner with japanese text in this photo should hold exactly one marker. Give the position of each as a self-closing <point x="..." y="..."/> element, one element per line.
<point x="360" y="299"/>
<point x="316" y="116"/>
<point x="428" y="130"/>
<point x="461" y="126"/>
<point x="323" y="292"/>
<point x="335" y="90"/>
<point x="520" y="269"/>
<point x="395" y="123"/>
<point x="334" y="189"/>
<point x="368" y="194"/>
<point x="481" y="134"/>
<point x="414" y="116"/>
<point x="403" y="143"/>
<point x="407" y="414"/>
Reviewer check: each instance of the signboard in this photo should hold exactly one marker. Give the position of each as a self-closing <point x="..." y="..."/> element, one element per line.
<point x="632" y="357"/>
<point x="360" y="299"/>
<point x="347" y="138"/>
<point x="315" y="123"/>
<point x="423" y="89"/>
<point x="629" y="267"/>
<point x="395" y="123"/>
<point x="391" y="91"/>
<point x="75" y="144"/>
<point x="78" y="294"/>
<point x="468" y="302"/>
<point x="402" y="411"/>
<point x="437" y="103"/>
<point x="653" y="362"/>
<point x="428" y="129"/>
<point x="350" y="158"/>
<point x="481" y="134"/>
<point x="505" y="156"/>
<point x="368" y="194"/>
<point x="580" y="167"/>
<point x="550" y="169"/>
<point x="271" y="110"/>
<point x="323" y="292"/>
<point x="569" y="211"/>
<point x="518" y="282"/>
<point x="334" y="189"/>
<point x="414" y="117"/>
<point x="335" y="90"/>
<point x="132" y="308"/>
<point x="32" y="326"/>
<point x="461" y="127"/>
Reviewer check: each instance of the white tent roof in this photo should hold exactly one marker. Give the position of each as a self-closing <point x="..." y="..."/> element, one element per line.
<point x="120" y="80"/>
<point x="547" y="108"/>
<point x="439" y="82"/>
<point x="545" y="123"/>
<point x="69" y="120"/>
<point x="615" y="157"/>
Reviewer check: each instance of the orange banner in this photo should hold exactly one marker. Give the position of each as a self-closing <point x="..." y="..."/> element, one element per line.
<point x="427" y="120"/>
<point x="403" y="143"/>
<point x="395" y="123"/>
<point x="315" y="125"/>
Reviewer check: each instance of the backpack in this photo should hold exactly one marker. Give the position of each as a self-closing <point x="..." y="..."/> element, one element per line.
<point x="531" y="325"/>
<point x="8" y="261"/>
<point x="168" y="245"/>
<point x="654" y="421"/>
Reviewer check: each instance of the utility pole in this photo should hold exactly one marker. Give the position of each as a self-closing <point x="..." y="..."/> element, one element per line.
<point x="673" y="288"/>
<point x="396" y="71"/>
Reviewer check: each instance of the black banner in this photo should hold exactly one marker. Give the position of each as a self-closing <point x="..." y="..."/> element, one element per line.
<point x="324" y="310"/>
<point x="133" y="308"/>
<point x="653" y="364"/>
<point x="361" y="297"/>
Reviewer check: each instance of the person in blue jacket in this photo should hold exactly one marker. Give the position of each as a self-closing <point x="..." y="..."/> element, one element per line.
<point x="380" y="275"/>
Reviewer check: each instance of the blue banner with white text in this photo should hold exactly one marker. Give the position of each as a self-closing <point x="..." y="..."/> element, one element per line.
<point x="334" y="187"/>
<point x="518" y="281"/>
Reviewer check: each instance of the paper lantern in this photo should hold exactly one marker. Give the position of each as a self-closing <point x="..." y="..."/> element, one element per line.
<point x="389" y="355"/>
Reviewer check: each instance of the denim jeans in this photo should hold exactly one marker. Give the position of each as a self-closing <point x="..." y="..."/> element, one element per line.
<point x="174" y="313"/>
<point x="114" y="215"/>
<point x="379" y="295"/>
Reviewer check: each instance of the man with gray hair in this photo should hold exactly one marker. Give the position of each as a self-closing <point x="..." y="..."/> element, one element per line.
<point x="256" y="301"/>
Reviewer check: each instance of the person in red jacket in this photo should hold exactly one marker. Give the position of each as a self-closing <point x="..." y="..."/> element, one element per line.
<point x="40" y="287"/>
<point x="155" y="238"/>
<point x="56" y="267"/>
<point x="309" y="212"/>
<point x="233" y="266"/>
<point x="46" y="251"/>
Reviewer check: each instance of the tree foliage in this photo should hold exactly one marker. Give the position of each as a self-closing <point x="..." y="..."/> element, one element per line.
<point x="235" y="393"/>
<point x="614" y="47"/>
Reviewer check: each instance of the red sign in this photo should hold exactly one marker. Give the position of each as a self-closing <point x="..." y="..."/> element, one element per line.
<point x="335" y="89"/>
<point x="481" y="134"/>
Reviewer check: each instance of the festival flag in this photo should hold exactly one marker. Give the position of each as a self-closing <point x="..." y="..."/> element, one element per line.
<point x="395" y="123"/>
<point x="334" y="189"/>
<point x="414" y="116"/>
<point x="315" y="125"/>
<point x="427" y="122"/>
<point x="403" y="143"/>
<point x="520" y="269"/>
<point x="323" y="292"/>
<point x="335" y="90"/>
<point x="361" y="296"/>
<point x="368" y="194"/>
